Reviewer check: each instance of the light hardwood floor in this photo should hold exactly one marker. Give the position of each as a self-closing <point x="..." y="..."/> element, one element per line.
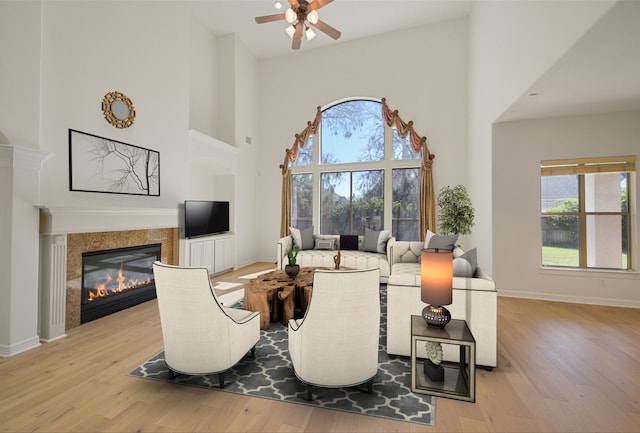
<point x="561" y="367"/>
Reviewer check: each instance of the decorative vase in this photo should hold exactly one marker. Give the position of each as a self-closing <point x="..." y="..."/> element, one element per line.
<point x="433" y="371"/>
<point x="336" y="260"/>
<point x="292" y="270"/>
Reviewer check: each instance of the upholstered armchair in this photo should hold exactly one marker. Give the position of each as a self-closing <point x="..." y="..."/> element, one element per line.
<point x="336" y="343"/>
<point x="200" y="336"/>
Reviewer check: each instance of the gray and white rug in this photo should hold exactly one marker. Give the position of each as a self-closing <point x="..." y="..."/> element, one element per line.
<point x="270" y="375"/>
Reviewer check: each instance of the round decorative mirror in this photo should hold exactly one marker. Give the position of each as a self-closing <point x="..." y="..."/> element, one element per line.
<point x="118" y="109"/>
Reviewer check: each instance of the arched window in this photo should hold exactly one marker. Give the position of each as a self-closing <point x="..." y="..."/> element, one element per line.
<point x="356" y="173"/>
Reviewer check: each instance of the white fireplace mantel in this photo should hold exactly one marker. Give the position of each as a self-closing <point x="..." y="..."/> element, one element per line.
<point x="64" y="220"/>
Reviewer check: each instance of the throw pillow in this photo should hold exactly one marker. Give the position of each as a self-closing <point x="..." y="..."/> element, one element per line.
<point x="370" y="240"/>
<point x="303" y="238"/>
<point x="295" y="234"/>
<point x="441" y="242"/>
<point x="384" y="237"/>
<point x="376" y="241"/>
<point x="348" y="242"/>
<point x="306" y="236"/>
<point x="466" y="264"/>
<point x="325" y="244"/>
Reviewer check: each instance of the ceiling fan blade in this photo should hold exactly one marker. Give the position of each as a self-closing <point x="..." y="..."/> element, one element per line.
<point x="326" y="28"/>
<point x="269" y="18"/>
<point x="297" y="36"/>
<point x="294" y="4"/>
<point x="317" y="4"/>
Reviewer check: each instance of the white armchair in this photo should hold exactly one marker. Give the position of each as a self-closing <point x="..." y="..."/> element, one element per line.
<point x="336" y="343"/>
<point x="200" y="336"/>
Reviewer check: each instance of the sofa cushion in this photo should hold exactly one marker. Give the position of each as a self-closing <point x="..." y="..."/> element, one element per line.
<point x="348" y="242"/>
<point x="433" y="240"/>
<point x="408" y="274"/>
<point x="354" y="259"/>
<point x="465" y="265"/>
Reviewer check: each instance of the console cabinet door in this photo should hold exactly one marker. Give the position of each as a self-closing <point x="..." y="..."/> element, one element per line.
<point x="223" y="254"/>
<point x="202" y="254"/>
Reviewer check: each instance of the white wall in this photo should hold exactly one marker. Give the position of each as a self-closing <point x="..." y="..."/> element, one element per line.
<point x="20" y="79"/>
<point x="421" y="71"/>
<point x="203" y="79"/>
<point x="511" y="44"/>
<point x="518" y="148"/>
<point x="138" y="48"/>
<point x="224" y="167"/>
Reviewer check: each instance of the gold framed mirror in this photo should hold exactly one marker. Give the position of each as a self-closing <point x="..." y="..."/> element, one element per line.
<point x="118" y="109"/>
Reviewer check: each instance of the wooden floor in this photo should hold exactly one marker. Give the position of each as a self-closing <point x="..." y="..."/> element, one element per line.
<point x="561" y="367"/>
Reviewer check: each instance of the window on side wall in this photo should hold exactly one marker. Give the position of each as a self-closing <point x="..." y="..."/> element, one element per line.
<point x="585" y="218"/>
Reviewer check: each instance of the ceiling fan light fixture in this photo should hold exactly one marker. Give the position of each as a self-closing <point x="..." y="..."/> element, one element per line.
<point x="290" y="31"/>
<point x="290" y="15"/>
<point x="310" y="34"/>
<point x="312" y="17"/>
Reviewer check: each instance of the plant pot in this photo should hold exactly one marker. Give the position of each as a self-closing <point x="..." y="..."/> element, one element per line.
<point x="292" y="270"/>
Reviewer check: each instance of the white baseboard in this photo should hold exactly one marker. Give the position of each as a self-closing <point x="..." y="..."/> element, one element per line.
<point x="571" y="299"/>
<point x="49" y="340"/>
<point x="22" y="346"/>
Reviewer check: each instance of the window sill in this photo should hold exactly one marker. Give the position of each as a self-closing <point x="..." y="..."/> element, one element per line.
<point x="595" y="273"/>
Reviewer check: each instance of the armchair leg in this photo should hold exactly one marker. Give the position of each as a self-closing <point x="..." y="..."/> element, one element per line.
<point x="309" y="392"/>
<point x="221" y="379"/>
<point x="252" y="352"/>
<point x="370" y="386"/>
<point x="172" y="373"/>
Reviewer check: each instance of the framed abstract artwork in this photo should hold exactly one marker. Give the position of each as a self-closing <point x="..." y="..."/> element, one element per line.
<point x="99" y="164"/>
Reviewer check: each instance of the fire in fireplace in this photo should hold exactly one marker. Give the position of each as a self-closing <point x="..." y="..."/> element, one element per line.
<point x="116" y="279"/>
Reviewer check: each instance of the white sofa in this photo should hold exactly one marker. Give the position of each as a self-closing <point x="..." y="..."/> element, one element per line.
<point x="356" y="259"/>
<point x="474" y="300"/>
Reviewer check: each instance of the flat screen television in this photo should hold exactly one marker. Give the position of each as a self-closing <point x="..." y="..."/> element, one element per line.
<point x="205" y="217"/>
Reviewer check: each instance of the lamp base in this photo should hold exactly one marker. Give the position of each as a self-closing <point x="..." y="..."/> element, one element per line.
<point x="436" y="316"/>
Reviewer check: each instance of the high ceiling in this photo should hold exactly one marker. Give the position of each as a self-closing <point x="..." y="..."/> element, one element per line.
<point x="354" y="18"/>
<point x="599" y="74"/>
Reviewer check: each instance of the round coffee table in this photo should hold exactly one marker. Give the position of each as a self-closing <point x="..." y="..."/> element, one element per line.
<point x="281" y="292"/>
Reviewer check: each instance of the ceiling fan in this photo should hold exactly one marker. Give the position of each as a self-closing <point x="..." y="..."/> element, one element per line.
<point x="301" y="16"/>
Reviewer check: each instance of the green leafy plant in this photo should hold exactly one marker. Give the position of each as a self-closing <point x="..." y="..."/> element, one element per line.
<point x="456" y="212"/>
<point x="293" y="254"/>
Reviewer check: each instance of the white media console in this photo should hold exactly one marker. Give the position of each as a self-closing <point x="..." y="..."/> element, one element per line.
<point x="215" y="252"/>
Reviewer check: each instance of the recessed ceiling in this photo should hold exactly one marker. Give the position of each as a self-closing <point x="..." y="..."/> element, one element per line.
<point x="599" y="74"/>
<point x="354" y="18"/>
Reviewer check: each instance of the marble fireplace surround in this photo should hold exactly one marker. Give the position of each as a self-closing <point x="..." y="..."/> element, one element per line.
<point x="65" y="233"/>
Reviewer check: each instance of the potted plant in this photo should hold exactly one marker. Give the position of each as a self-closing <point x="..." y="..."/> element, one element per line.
<point x="456" y="212"/>
<point x="292" y="268"/>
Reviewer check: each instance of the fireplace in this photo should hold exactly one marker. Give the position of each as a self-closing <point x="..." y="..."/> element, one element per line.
<point x="116" y="279"/>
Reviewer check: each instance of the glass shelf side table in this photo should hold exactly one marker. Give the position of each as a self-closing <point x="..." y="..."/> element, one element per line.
<point x="459" y="377"/>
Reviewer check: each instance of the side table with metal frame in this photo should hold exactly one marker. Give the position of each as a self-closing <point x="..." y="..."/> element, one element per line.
<point x="459" y="377"/>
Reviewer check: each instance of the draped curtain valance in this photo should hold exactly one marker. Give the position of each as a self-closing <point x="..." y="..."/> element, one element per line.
<point x="392" y="119"/>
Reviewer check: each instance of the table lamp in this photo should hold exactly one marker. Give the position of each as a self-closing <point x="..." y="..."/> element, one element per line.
<point x="436" y="270"/>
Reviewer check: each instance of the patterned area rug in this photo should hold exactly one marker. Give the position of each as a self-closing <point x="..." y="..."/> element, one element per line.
<point x="270" y="375"/>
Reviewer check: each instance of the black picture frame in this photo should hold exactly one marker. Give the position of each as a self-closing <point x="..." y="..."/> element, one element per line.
<point x="99" y="164"/>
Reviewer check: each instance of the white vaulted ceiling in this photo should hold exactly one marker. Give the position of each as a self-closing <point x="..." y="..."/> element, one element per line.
<point x="599" y="74"/>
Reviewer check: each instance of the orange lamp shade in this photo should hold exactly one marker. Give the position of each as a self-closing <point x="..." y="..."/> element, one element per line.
<point x="436" y="271"/>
